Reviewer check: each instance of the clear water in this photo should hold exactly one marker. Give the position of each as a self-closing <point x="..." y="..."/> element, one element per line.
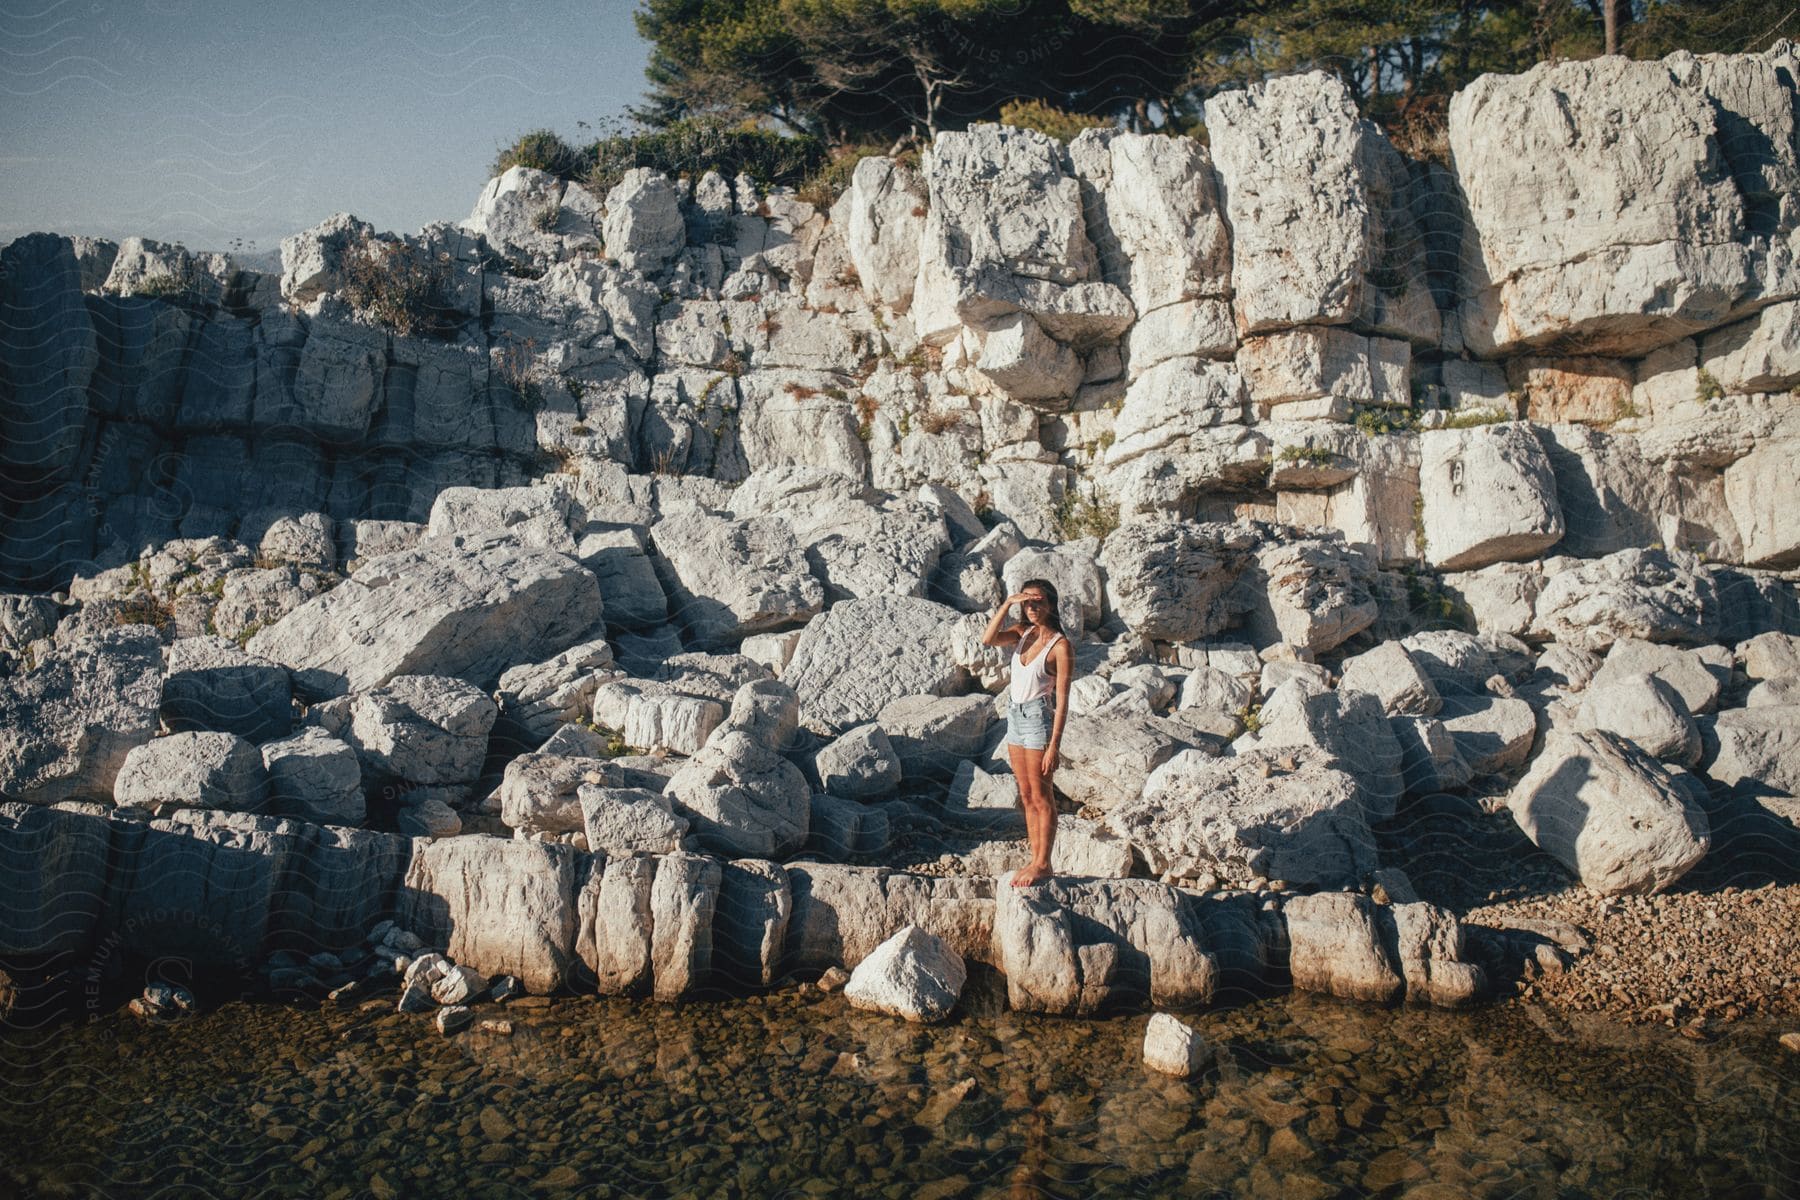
<point x="796" y="1094"/>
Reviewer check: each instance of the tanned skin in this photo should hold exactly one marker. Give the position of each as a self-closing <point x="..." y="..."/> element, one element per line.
<point x="1034" y="769"/>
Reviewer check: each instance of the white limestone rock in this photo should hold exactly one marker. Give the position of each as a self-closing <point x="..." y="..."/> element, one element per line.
<point x="541" y="697"/>
<point x="1154" y="216"/>
<point x="912" y="975"/>
<point x="1615" y="244"/>
<point x="498" y="906"/>
<point x="537" y="515"/>
<point x="1004" y="233"/>
<point x="1610" y="813"/>
<point x="424" y="729"/>
<point x="213" y="685"/>
<point x="1645" y="711"/>
<point x="887" y="223"/>
<point x="1266" y="814"/>
<point x="727" y="578"/>
<point x="1173" y="403"/>
<point x="621" y="821"/>
<point x="193" y="770"/>
<point x="860" y="764"/>
<point x="467" y="610"/>
<point x="1288" y="153"/>
<point x="1312" y="594"/>
<point x="643" y="228"/>
<point x="1389" y="674"/>
<point x="1654" y="595"/>
<point x="683" y="898"/>
<point x="1169" y="580"/>
<point x="1174" y="1048"/>
<point x="1697" y="675"/>
<point x="860" y="655"/>
<point x="742" y="798"/>
<point x="314" y="777"/>
<point x="1755" y="749"/>
<point x="1489" y="495"/>
<point x="67" y="726"/>
<point x="1335" y="946"/>
<point x="1492" y="734"/>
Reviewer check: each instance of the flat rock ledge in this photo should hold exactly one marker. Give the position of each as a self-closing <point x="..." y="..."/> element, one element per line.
<point x="682" y="924"/>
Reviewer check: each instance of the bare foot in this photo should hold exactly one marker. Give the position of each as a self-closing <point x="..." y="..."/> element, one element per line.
<point x="1031" y="876"/>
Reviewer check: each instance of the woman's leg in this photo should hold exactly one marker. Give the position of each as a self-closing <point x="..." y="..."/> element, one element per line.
<point x="1040" y="812"/>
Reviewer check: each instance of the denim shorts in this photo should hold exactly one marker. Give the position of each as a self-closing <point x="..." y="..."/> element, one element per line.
<point x="1028" y="723"/>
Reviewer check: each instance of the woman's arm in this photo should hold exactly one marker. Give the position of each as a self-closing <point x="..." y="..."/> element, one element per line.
<point x="996" y="636"/>
<point x="1062" y="661"/>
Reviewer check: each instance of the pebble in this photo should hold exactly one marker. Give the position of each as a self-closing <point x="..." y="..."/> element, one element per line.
<point x="1791" y="1041"/>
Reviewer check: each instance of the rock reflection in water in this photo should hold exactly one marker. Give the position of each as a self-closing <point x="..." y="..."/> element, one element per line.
<point x="797" y="1093"/>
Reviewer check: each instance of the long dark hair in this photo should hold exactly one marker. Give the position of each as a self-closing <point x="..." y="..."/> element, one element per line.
<point x="1054" y="620"/>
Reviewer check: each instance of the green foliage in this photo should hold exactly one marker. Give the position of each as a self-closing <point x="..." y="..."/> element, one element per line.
<point x="542" y="150"/>
<point x="249" y="631"/>
<point x="1035" y="114"/>
<point x="1469" y="418"/>
<point x="694" y="147"/>
<point x="1316" y="456"/>
<point x="1078" y="517"/>
<point x="144" y="608"/>
<point x="1374" y="420"/>
<point x="1706" y="387"/>
<point x="1250" y="717"/>
<point x="822" y="188"/>
<point x="544" y="219"/>
<point x="166" y="285"/>
<point x="402" y="288"/>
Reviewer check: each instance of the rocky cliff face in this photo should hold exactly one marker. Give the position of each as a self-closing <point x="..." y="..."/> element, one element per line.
<point x="732" y="478"/>
<point x="1138" y="321"/>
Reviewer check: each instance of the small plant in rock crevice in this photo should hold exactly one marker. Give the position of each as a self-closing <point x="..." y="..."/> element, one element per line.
<point x="1316" y="456"/>
<point x="1707" y="387"/>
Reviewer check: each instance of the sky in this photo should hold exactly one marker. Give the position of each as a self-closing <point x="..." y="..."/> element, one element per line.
<point x="205" y="122"/>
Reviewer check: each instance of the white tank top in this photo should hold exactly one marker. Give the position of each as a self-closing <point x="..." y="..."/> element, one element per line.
<point x="1030" y="681"/>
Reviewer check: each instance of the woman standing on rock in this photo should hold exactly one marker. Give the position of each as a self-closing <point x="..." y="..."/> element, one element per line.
<point x="1042" y="666"/>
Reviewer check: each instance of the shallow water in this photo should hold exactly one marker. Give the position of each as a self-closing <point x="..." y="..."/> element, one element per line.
<point x="797" y="1094"/>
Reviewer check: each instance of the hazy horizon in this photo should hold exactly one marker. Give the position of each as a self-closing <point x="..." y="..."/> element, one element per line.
<point x="203" y="122"/>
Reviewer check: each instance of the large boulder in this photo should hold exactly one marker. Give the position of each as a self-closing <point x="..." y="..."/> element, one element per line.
<point x="1698" y="676"/>
<point x="1757" y="750"/>
<point x="1168" y="580"/>
<point x="467" y="609"/>
<point x="1312" y="594"/>
<point x="422" y="729"/>
<point x="728" y="578"/>
<point x="842" y="913"/>
<point x="887" y="220"/>
<point x="1645" y="711"/>
<point x="912" y="975"/>
<point x="683" y="898"/>
<point x="1614" y="245"/>
<point x="1154" y="217"/>
<point x="1610" y="813"/>
<point x="67" y="725"/>
<point x="1389" y="674"/>
<point x="1653" y="595"/>
<point x="1288" y="153"/>
<point x="742" y="798"/>
<point x="213" y="685"/>
<point x="315" y="777"/>
<point x="1071" y="946"/>
<point x="862" y="655"/>
<point x="1335" y="946"/>
<point x="1268" y="814"/>
<point x="614" y="923"/>
<point x="541" y="792"/>
<point x="500" y="906"/>
<point x="750" y="921"/>
<point x="193" y="770"/>
<point x="539" y="698"/>
<point x="1105" y="758"/>
<point x="859" y="765"/>
<point x="1491" y="734"/>
<point x="629" y="821"/>
<point x="1005" y="233"/>
<point x="1488" y="494"/>
<point x="644" y="228"/>
<point x="933" y="735"/>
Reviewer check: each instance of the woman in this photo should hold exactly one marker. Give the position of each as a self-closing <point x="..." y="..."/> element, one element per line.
<point x="1042" y="665"/>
